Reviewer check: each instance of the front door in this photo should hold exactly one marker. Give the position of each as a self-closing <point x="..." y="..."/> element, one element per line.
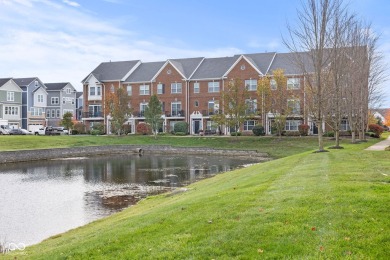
<point x="196" y="126"/>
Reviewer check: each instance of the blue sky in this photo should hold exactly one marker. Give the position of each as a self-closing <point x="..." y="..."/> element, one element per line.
<point x="64" y="40"/>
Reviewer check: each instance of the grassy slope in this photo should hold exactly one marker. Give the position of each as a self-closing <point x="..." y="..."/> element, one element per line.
<point x="276" y="147"/>
<point x="327" y="205"/>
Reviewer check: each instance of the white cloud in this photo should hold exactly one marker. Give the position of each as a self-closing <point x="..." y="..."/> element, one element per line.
<point x="71" y="3"/>
<point x="59" y="43"/>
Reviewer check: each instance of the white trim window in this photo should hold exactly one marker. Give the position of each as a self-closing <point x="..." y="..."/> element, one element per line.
<point x="213" y="87"/>
<point x="48" y="113"/>
<point x="142" y="107"/>
<point x="293" y="83"/>
<point x="249" y="124"/>
<point x="251" y="84"/>
<point x="129" y="90"/>
<point x="11" y="110"/>
<point x="160" y="88"/>
<point x="10" y="96"/>
<point x="176" y="108"/>
<point x="95" y="90"/>
<point x="344" y="126"/>
<point x="196" y="87"/>
<point x="292" y="125"/>
<point x="273" y="84"/>
<point x="213" y="107"/>
<point x="53" y="113"/>
<point x="40" y="98"/>
<point x="251" y="106"/>
<point x="55" y="100"/>
<point x="68" y="90"/>
<point x="294" y="105"/>
<point x="144" y="90"/>
<point x="36" y="111"/>
<point x="58" y="113"/>
<point x="176" y="88"/>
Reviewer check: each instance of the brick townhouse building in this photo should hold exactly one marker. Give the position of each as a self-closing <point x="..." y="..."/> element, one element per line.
<point x="190" y="89"/>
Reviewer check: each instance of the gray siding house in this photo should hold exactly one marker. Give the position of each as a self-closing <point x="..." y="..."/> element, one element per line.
<point x="34" y="101"/>
<point x="79" y="106"/>
<point x="60" y="100"/>
<point x="10" y="103"/>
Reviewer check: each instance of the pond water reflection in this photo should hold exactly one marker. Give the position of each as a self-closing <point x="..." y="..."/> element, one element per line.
<point x="41" y="199"/>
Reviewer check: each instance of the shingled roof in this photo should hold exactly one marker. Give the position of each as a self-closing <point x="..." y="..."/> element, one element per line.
<point x="262" y="61"/>
<point x="286" y="61"/>
<point x="145" y="72"/>
<point x="213" y="68"/>
<point x="186" y="66"/>
<point x="24" y="81"/>
<point x="109" y="71"/>
<point x="4" y="80"/>
<point x="55" y="86"/>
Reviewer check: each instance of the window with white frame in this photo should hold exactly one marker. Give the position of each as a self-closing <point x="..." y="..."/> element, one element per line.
<point x="160" y="88"/>
<point x="273" y="84"/>
<point x="68" y="90"/>
<point x="176" y="109"/>
<point x="58" y="113"/>
<point x="196" y="87"/>
<point x="129" y="90"/>
<point x="213" y="107"/>
<point x="112" y="88"/>
<point x="10" y="96"/>
<point x="95" y="110"/>
<point x="293" y="83"/>
<point x="251" y="84"/>
<point x="144" y="90"/>
<point x="249" y="124"/>
<point x="344" y="126"/>
<point x="251" y="106"/>
<point x="98" y="90"/>
<point x="292" y="125"/>
<point x="40" y="98"/>
<point x="175" y="88"/>
<point x="55" y="100"/>
<point x="36" y="111"/>
<point x="294" y="105"/>
<point x="53" y="113"/>
<point x="213" y="87"/>
<point x="11" y="110"/>
<point x="72" y="101"/>
<point x="95" y="90"/>
<point x="63" y="100"/>
<point x="48" y="113"/>
<point x="142" y="108"/>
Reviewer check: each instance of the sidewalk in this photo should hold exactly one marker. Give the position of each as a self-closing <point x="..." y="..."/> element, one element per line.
<point x="379" y="146"/>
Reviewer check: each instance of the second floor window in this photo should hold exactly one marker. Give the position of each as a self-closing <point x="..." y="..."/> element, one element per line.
<point x="176" y="108"/>
<point x="273" y="84"/>
<point x="36" y="111"/>
<point x="176" y="88"/>
<point x="251" y="106"/>
<point x="10" y="96"/>
<point x="213" y="107"/>
<point x="95" y="90"/>
<point x="40" y="98"/>
<point x="196" y="87"/>
<point x="55" y="100"/>
<point x="13" y="111"/>
<point x="144" y="90"/>
<point x="293" y="83"/>
<point x="129" y="90"/>
<point x="160" y="88"/>
<point x="294" y="106"/>
<point x="251" y="84"/>
<point x="68" y="90"/>
<point x="213" y="87"/>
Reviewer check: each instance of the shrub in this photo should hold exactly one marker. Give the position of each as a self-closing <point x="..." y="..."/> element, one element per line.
<point x="329" y="134"/>
<point x="303" y="129"/>
<point x="95" y="132"/>
<point x="181" y="127"/>
<point x="258" y="130"/>
<point x="127" y="129"/>
<point x="79" y="128"/>
<point x="235" y="134"/>
<point x="376" y="129"/>
<point x="97" y="129"/>
<point x="143" y="129"/>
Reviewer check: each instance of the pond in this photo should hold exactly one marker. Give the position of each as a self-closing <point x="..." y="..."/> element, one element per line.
<point x="45" y="198"/>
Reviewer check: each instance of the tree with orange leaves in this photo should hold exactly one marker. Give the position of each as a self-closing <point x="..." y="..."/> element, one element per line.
<point x="117" y="106"/>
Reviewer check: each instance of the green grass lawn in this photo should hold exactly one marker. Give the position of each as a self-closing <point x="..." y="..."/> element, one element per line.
<point x="331" y="205"/>
<point x="275" y="147"/>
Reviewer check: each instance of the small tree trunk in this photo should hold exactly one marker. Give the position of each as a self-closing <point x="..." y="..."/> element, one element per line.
<point x="337" y="136"/>
<point x="320" y="137"/>
<point x="353" y="137"/>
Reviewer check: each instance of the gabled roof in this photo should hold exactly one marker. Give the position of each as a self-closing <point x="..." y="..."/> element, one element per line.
<point x="262" y="61"/>
<point x="186" y="66"/>
<point x="4" y="80"/>
<point x="213" y="68"/>
<point x="110" y="71"/>
<point x="79" y="94"/>
<point x="145" y="72"/>
<point x="286" y="61"/>
<point x="24" y="81"/>
<point x="56" y="86"/>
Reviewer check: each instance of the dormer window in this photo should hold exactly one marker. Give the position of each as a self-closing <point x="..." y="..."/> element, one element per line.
<point x="68" y="91"/>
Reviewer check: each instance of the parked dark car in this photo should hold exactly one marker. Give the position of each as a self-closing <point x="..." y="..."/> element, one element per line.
<point x="17" y="131"/>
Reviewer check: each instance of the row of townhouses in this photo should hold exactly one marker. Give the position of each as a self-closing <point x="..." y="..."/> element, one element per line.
<point x="190" y="89"/>
<point x="30" y="104"/>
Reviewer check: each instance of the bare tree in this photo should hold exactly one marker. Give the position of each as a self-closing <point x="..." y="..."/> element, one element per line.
<point x="313" y="36"/>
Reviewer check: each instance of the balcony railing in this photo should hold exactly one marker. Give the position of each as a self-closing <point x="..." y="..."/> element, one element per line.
<point x="92" y="114"/>
<point x="211" y="112"/>
<point x="175" y="113"/>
